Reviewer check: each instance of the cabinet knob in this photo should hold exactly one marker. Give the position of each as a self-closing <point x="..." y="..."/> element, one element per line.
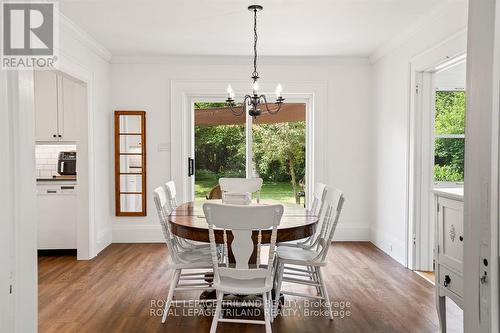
<point x="54" y="136"/>
<point x="60" y="135"/>
<point x="461" y="238"/>
<point x="447" y="280"/>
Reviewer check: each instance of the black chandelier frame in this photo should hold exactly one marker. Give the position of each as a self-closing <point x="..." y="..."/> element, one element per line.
<point x="254" y="100"/>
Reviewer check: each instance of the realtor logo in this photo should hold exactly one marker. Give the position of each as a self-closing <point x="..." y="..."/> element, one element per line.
<point x="29" y="35"/>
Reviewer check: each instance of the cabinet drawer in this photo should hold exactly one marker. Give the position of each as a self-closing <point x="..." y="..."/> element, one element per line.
<point x="451" y="280"/>
<point x="450" y="233"/>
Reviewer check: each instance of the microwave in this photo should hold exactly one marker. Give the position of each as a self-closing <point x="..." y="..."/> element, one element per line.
<point x="66" y="164"/>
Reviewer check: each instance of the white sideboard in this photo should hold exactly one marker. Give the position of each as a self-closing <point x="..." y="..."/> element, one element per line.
<point x="448" y="249"/>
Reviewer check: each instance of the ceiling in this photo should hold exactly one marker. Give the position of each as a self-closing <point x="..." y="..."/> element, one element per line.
<point x="224" y="27"/>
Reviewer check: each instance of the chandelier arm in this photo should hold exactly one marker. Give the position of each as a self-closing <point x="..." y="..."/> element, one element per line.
<point x="235" y="112"/>
<point x="245" y="100"/>
<point x="267" y="107"/>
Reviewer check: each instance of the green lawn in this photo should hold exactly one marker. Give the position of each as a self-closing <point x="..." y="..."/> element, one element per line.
<point x="281" y="191"/>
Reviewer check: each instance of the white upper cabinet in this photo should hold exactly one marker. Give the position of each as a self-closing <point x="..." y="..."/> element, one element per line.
<point x="73" y="107"/>
<point x="58" y="102"/>
<point x="46" y="104"/>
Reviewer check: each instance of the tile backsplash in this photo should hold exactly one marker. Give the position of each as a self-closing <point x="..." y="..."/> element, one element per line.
<point x="46" y="159"/>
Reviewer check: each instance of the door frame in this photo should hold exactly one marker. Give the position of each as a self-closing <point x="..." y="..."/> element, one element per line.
<point x="419" y="245"/>
<point x="182" y="95"/>
<point x="88" y="245"/>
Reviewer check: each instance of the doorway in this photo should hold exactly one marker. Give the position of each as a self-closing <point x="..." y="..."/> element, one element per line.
<point x="272" y="147"/>
<point x="440" y="147"/>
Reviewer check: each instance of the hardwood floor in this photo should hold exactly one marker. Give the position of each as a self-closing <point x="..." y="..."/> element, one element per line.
<point x="427" y="275"/>
<point x="116" y="291"/>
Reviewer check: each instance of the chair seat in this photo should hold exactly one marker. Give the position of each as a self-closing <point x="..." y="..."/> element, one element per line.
<point x="297" y="255"/>
<point x="195" y="256"/>
<point x="244" y="287"/>
<point x="196" y="245"/>
<point x="294" y="243"/>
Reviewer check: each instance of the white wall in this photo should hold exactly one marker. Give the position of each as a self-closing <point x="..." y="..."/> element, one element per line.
<point x="81" y="54"/>
<point x="144" y="84"/>
<point x="18" y="311"/>
<point x="391" y="96"/>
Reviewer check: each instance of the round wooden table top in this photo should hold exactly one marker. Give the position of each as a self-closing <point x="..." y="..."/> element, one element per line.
<point x="188" y="221"/>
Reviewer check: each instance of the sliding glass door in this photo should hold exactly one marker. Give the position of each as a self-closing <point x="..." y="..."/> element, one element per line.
<point x="279" y="153"/>
<point x="219" y="147"/>
<point x="272" y="147"/>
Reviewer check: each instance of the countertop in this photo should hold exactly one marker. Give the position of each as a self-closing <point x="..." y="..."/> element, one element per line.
<point x="58" y="180"/>
<point x="456" y="193"/>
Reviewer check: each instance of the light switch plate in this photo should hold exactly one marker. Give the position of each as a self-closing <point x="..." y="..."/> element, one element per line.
<point x="164" y="147"/>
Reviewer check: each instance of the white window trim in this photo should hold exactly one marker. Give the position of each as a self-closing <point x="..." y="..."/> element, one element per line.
<point x="184" y="92"/>
<point x="449" y="136"/>
<point x="249" y="136"/>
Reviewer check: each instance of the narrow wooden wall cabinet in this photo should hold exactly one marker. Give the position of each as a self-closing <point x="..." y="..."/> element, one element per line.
<point x="130" y="163"/>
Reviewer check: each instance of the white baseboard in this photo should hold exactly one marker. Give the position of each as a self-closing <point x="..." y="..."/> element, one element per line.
<point x="389" y="243"/>
<point x="103" y="240"/>
<point x="352" y="232"/>
<point x="132" y="233"/>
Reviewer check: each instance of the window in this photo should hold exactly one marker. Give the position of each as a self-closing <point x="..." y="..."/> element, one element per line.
<point x="274" y="150"/>
<point x="449" y="129"/>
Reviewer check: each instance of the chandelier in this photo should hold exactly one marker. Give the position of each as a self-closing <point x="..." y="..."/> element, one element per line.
<point x="254" y="100"/>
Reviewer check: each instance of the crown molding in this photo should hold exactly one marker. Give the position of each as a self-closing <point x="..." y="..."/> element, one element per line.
<point x="412" y="30"/>
<point x="239" y="60"/>
<point x="85" y="38"/>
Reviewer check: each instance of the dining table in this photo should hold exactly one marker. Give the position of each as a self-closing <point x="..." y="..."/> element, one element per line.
<point x="188" y="221"/>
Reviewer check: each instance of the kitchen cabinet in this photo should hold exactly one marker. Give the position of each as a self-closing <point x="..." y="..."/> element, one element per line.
<point x="449" y="249"/>
<point x="57" y="216"/>
<point x="58" y="102"/>
<point x="46" y="104"/>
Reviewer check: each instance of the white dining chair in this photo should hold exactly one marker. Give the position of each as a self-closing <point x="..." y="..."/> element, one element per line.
<point x="188" y="264"/>
<point x="172" y="204"/>
<point x="311" y="258"/>
<point x="319" y="196"/>
<point x="172" y="194"/>
<point x="241" y="278"/>
<point x="241" y="185"/>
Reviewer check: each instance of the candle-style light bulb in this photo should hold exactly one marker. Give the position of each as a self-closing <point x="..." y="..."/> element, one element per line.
<point x="279" y="89"/>
<point x="230" y="92"/>
<point x="255" y="87"/>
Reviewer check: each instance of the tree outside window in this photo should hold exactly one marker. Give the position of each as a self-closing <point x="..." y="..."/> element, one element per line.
<point x="449" y="144"/>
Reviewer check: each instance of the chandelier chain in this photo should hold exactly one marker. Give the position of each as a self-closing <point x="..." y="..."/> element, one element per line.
<point x="255" y="74"/>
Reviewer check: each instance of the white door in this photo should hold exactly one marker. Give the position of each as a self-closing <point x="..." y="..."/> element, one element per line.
<point x="46" y="105"/>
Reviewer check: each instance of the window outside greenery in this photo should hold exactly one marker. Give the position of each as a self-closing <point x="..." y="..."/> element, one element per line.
<point x="449" y="146"/>
<point x="279" y="156"/>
